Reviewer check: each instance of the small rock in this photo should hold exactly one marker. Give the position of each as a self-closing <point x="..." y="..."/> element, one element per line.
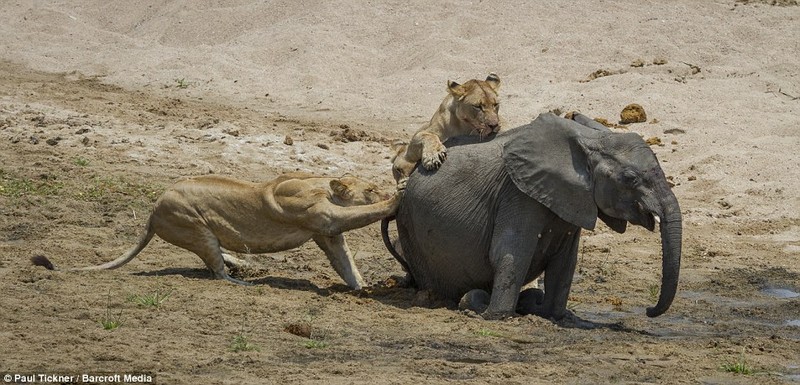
<point x="53" y="141"/>
<point x="695" y="69"/>
<point x="288" y="140"/>
<point x="637" y="63"/>
<point x="348" y="134"/>
<point x="323" y="146"/>
<point x="691" y="178"/>
<point x="81" y="131"/>
<point x="632" y="113"/>
<point x="34" y="139"/>
<point x="600" y="73"/>
<point x="675" y="131"/>
<point x="299" y="329"/>
<point x="659" y="61"/>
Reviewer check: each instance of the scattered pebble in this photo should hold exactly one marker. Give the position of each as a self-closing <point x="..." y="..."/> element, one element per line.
<point x="288" y="140"/>
<point x="601" y="73"/>
<point x="675" y="131"/>
<point x="348" y="134"/>
<point x="53" y="141"/>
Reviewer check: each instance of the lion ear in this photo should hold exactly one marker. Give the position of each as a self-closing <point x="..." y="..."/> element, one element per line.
<point x="494" y="81"/>
<point x="341" y="190"/>
<point x="455" y="89"/>
<point x="398" y="147"/>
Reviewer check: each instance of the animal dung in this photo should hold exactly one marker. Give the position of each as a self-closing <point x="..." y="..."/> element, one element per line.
<point x="632" y="113"/>
<point x="654" y="141"/>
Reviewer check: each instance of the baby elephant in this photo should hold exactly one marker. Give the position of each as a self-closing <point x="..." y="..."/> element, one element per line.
<point x="209" y="213"/>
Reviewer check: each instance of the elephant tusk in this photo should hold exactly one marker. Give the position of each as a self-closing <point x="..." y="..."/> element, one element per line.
<point x="657" y="219"/>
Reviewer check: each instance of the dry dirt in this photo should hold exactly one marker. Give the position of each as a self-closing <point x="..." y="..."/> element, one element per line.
<point x="86" y="148"/>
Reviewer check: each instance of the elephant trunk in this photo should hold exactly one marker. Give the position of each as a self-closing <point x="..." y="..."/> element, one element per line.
<point x="671" y="229"/>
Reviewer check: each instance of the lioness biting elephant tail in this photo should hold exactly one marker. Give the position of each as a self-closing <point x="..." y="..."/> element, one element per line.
<point x="207" y="214"/>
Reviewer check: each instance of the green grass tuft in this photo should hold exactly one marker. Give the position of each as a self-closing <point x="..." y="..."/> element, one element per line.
<point x="488" y="333"/>
<point x="241" y="343"/>
<point x="738" y="367"/>
<point x="316" y="344"/>
<point x="182" y="83"/>
<point x="110" y="321"/>
<point x="154" y="299"/>
<point x="14" y="186"/>
<point x="653" y="290"/>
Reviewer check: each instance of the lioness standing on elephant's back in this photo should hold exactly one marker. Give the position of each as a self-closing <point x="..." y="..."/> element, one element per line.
<point x="469" y="108"/>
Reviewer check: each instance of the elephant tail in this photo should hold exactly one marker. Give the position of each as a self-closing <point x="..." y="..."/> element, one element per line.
<point x="389" y="246"/>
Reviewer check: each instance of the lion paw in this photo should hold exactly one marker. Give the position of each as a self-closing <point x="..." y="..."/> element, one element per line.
<point x="434" y="159"/>
<point x="401" y="184"/>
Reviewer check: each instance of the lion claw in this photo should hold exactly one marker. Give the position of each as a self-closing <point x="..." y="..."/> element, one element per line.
<point x="435" y="160"/>
<point x="401" y="186"/>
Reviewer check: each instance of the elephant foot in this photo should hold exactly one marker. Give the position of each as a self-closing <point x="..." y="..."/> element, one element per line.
<point x="476" y="300"/>
<point x="530" y="302"/>
<point x="493" y="316"/>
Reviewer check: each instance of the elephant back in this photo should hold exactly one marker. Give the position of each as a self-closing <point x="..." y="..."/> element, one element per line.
<point x="448" y="209"/>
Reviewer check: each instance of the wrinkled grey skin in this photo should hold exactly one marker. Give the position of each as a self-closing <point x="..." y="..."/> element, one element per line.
<point x="500" y="213"/>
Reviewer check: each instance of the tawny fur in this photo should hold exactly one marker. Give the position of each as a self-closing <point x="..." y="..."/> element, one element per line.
<point x="468" y="109"/>
<point x="209" y="213"/>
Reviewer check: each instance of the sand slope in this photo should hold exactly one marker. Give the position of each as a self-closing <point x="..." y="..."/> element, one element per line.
<point x="105" y="103"/>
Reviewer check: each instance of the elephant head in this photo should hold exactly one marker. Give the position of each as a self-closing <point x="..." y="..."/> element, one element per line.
<point x="584" y="171"/>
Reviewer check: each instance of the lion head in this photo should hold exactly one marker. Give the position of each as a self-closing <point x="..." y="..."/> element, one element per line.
<point x="351" y="191"/>
<point x="477" y="103"/>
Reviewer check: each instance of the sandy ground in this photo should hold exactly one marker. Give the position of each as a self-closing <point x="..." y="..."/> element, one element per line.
<point x="103" y="104"/>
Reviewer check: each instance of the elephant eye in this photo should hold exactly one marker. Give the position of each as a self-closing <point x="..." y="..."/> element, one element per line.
<point x="630" y="178"/>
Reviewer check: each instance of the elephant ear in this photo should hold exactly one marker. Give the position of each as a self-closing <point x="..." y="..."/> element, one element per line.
<point x="547" y="161"/>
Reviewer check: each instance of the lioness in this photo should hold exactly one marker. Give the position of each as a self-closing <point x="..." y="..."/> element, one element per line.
<point x="206" y="213"/>
<point x="469" y="108"/>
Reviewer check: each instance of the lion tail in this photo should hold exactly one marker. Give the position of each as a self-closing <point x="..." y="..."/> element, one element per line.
<point x="144" y="239"/>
